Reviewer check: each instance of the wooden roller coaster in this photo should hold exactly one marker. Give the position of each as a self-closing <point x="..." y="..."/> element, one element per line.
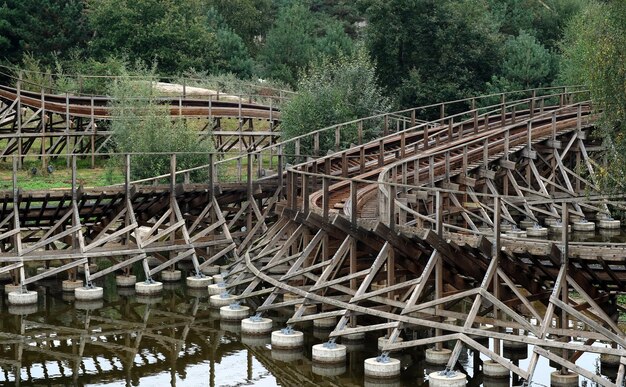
<point x="408" y="231"/>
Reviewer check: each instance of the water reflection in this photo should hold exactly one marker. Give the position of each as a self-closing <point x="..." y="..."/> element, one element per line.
<point x="177" y="339"/>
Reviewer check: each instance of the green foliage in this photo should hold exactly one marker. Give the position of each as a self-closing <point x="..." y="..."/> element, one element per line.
<point x="334" y="91"/>
<point x="594" y="55"/>
<point x="527" y="62"/>
<point x="232" y="54"/>
<point x="46" y="28"/>
<point x="249" y="19"/>
<point x="140" y="124"/>
<point x="171" y="32"/>
<point x="297" y="38"/>
<point x="429" y="51"/>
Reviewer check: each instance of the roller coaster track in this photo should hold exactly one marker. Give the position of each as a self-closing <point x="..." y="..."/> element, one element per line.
<point x="57" y="120"/>
<point x="397" y="232"/>
<point x="392" y="233"/>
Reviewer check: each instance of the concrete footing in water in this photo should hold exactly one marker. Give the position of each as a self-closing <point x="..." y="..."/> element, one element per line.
<point x="147" y="289"/>
<point x="70" y="286"/>
<point x="23" y="298"/>
<point x="329" y="353"/>
<point x="494" y="370"/>
<point x="327" y="322"/>
<point x="88" y="294"/>
<point x="219" y="300"/>
<point x="558" y="379"/>
<point x="125" y="280"/>
<point x="8" y="288"/>
<point x="254" y="326"/>
<point x="287" y="340"/>
<point x="234" y="312"/>
<point x="198" y="282"/>
<point x="381" y="369"/>
<point x="383" y="340"/>
<point x="583" y="225"/>
<point x="434" y="356"/>
<point x="171" y="275"/>
<point x="215" y="289"/>
<point x="609" y="224"/>
<point x="447" y="379"/>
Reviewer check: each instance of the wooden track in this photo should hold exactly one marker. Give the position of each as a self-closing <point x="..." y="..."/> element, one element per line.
<point x="66" y="124"/>
<point x="398" y="232"/>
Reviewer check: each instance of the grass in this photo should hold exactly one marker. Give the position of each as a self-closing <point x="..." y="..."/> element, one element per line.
<point x="32" y="176"/>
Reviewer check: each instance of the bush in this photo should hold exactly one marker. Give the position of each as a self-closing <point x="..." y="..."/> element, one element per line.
<point x="332" y="92"/>
<point x="141" y="125"/>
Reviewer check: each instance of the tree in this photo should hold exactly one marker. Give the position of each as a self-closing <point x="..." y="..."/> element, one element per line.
<point x="594" y="55"/>
<point x="298" y="37"/>
<point x="173" y="33"/>
<point x="427" y="50"/>
<point x="249" y="19"/>
<point x="141" y="125"/>
<point x="232" y="54"/>
<point x="527" y="62"/>
<point x="334" y="91"/>
<point x="46" y="28"/>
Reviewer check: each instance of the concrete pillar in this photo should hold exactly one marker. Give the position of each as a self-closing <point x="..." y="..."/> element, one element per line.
<point x="198" y="282"/>
<point x="559" y="380"/>
<point x="287" y="339"/>
<point x="256" y="325"/>
<point x="89" y="294"/>
<point x="125" y="280"/>
<point x="329" y="353"/>
<point x="70" y="286"/>
<point x="434" y="356"/>
<point x="171" y="275"/>
<point x="219" y="300"/>
<point x="494" y="369"/>
<point x="234" y="312"/>
<point x="447" y="379"/>
<point x="23" y="298"/>
<point x="378" y="368"/>
<point x="147" y="289"/>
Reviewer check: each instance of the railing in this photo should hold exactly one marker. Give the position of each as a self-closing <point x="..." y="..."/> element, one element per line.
<point x="476" y="152"/>
<point x="401" y="122"/>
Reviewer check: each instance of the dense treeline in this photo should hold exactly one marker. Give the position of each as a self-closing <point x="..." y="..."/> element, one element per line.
<point x="395" y="53"/>
<point x="423" y="50"/>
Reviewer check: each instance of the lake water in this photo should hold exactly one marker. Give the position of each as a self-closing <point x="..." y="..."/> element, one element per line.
<point x="177" y="339"/>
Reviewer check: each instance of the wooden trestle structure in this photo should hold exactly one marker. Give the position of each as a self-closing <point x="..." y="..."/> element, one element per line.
<point x="50" y="125"/>
<point x="402" y="232"/>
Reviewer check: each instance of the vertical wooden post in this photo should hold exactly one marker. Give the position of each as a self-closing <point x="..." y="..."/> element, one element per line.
<point x="17" y="238"/>
<point x="19" y="120"/>
<point x="425" y="133"/>
<point x="337" y="139"/>
<point x="68" y="149"/>
<point x="211" y="178"/>
<point x="442" y="111"/>
<point x="503" y="109"/>
<point x="44" y="164"/>
<point x="497" y="245"/>
<point x="564" y="264"/>
<point x="392" y="206"/>
<point x="250" y="192"/>
<point x="93" y="136"/>
<point x="305" y="192"/>
<point x="412" y="118"/>
<point x="439" y="263"/>
<point x="385" y="125"/>
<point x="316" y="144"/>
<point x="280" y="167"/>
<point x="359" y="127"/>
<point x="325" y="197"/>
<point x="532" y="103"/>
<point x="353" y="202"/>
